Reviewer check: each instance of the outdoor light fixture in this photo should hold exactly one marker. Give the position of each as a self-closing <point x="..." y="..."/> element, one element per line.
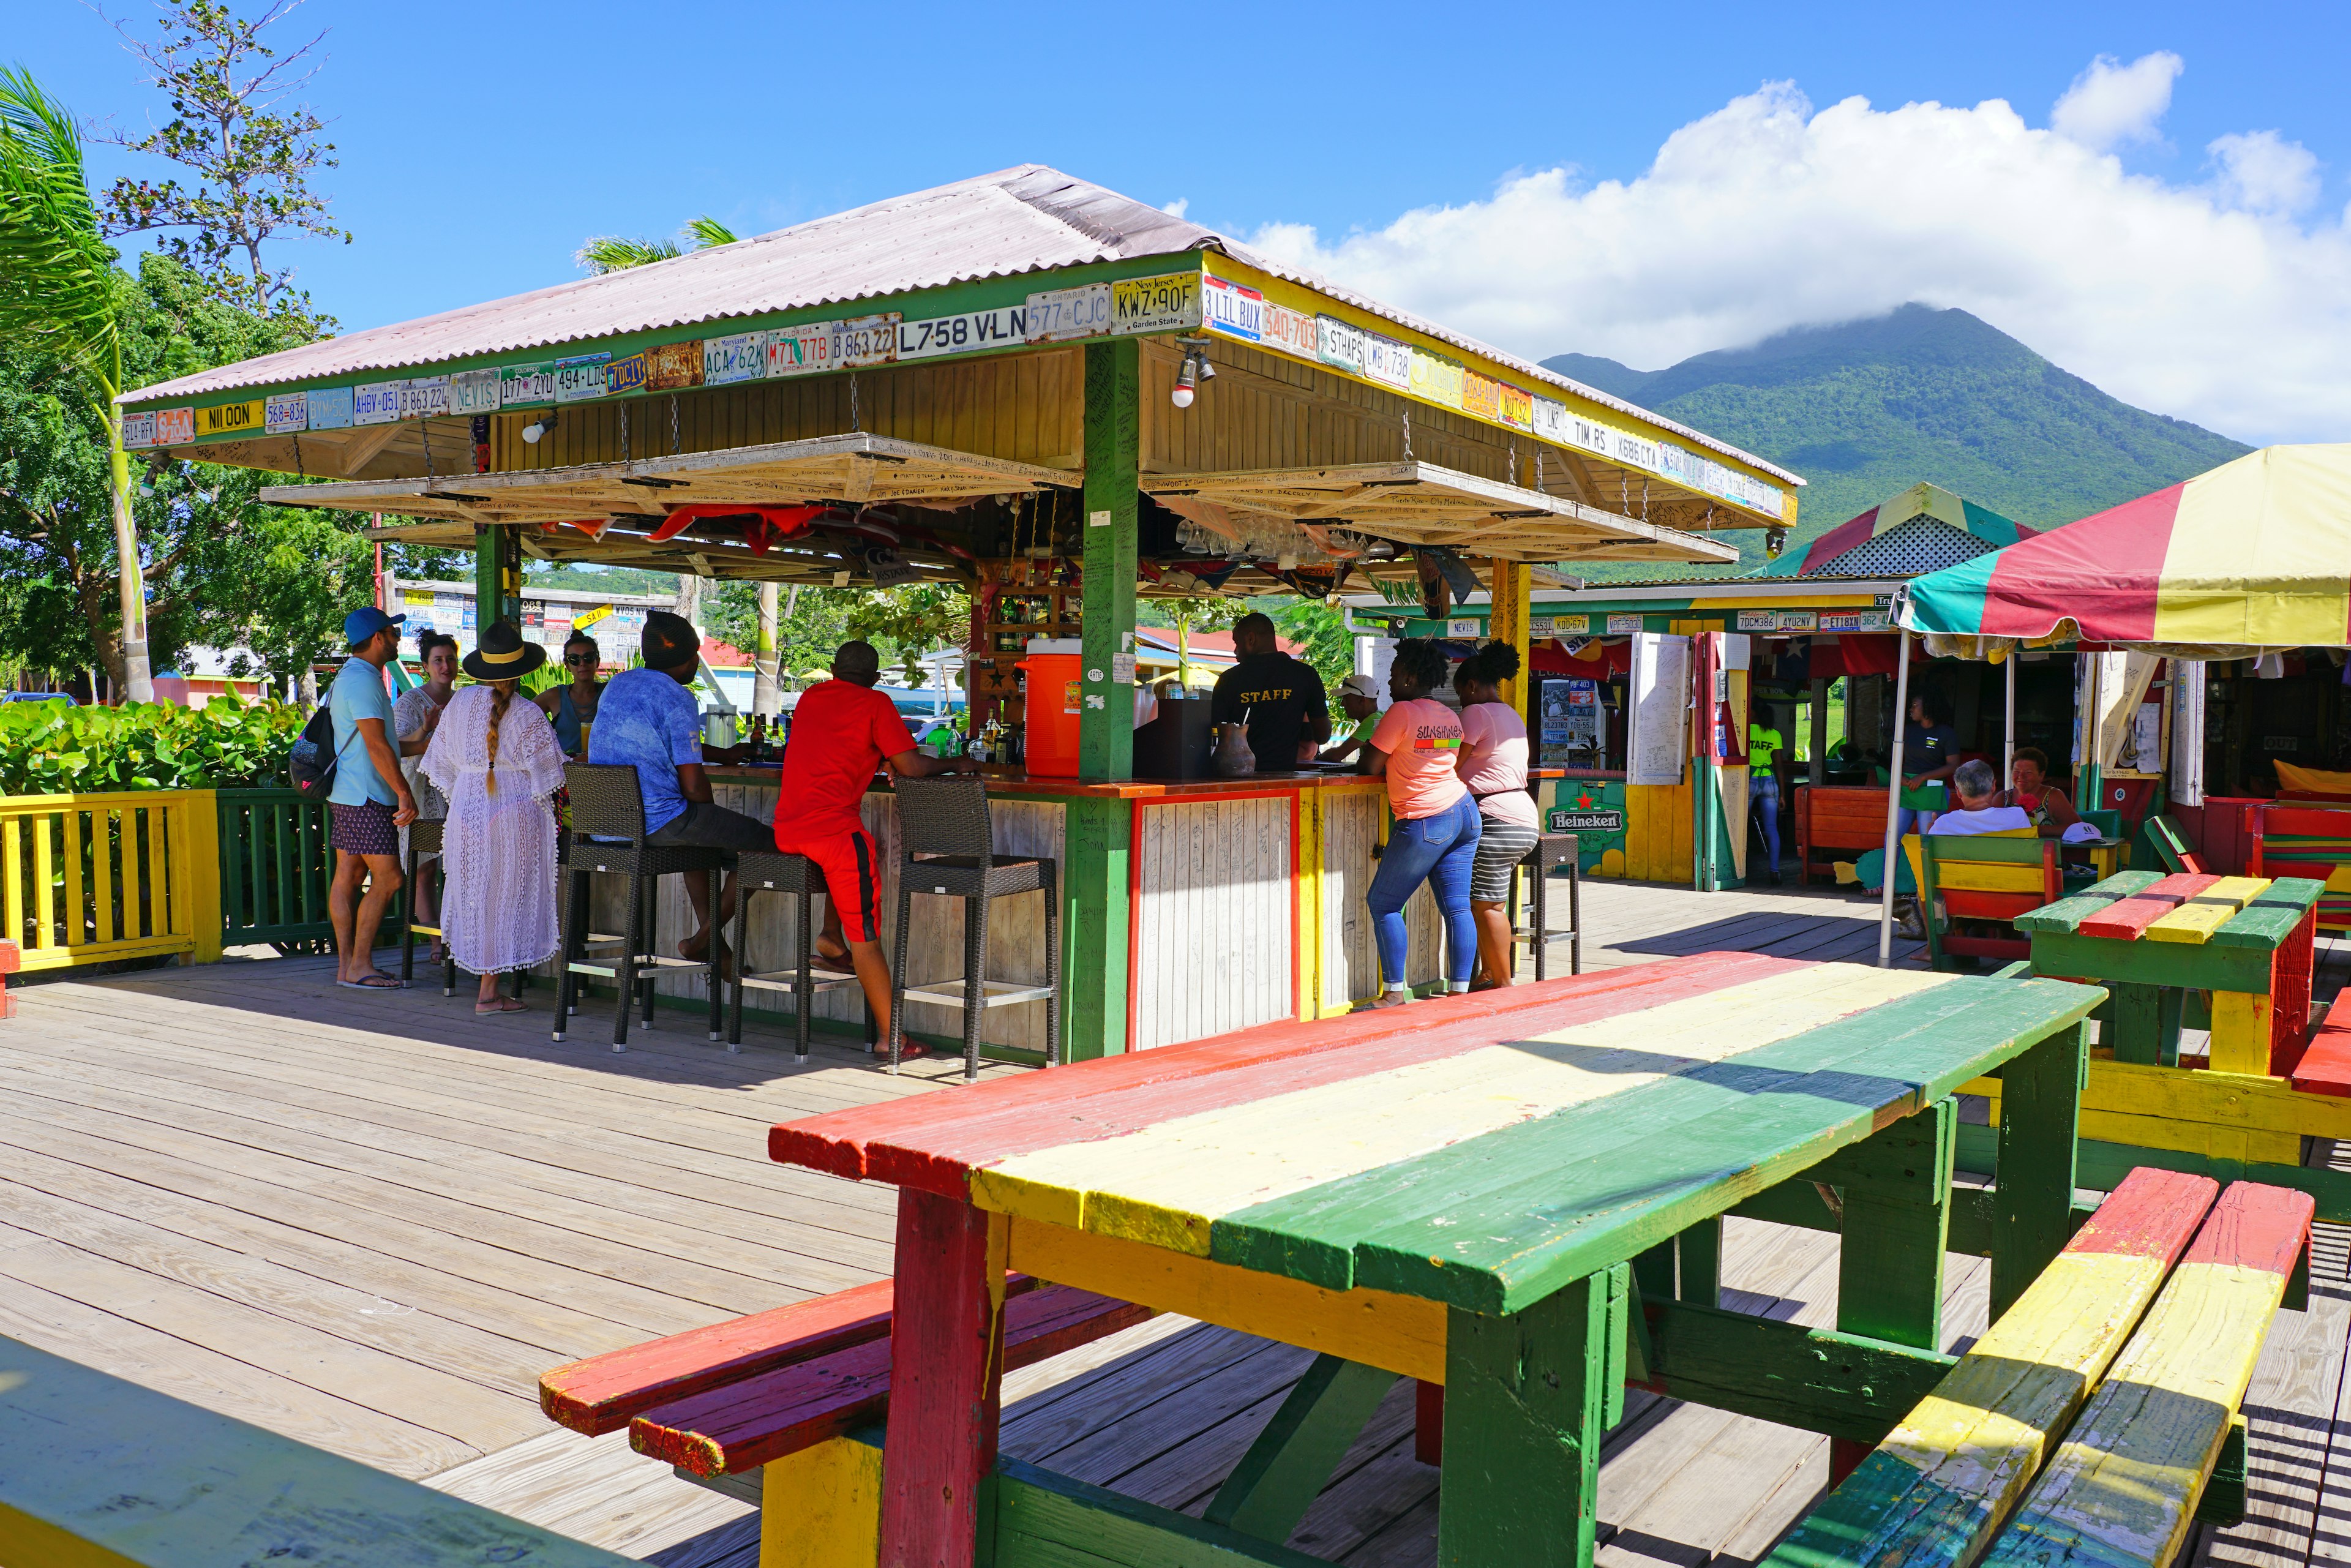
<point x="1774" y="541"/>
<point x="538" y="427"/>
<point x="1195" y="369"/>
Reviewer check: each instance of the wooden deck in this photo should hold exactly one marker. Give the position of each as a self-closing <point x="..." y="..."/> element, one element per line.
<point x="370" y="1220"/>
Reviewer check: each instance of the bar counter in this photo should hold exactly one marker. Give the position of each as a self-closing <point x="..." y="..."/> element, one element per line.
<point x="1247" y="901"/>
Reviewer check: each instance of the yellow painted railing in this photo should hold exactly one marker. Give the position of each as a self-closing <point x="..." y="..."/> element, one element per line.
<point x="88" y="878"/>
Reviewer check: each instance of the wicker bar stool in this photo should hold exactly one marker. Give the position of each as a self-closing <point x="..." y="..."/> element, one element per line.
<point x="947" y="848"/>
<point x="774" y="871"/>
<point x="607" y="834"/>
<point x="1552" y="851"/>
<point x="423" y="839"/>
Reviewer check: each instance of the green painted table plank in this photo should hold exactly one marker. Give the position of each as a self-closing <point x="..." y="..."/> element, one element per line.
<point x="1045" y="1520"/>
<point x="1291" y="1461"/>
<point x="2206" y="965"/>
<point x="94" y="1469"/>
<point x="1496" y="1222"/>
<point x="2063" y="917"/>
<point x="2271" y="917"/>
<point x="2104" y="1165"/>
<point x="1815" y="1380"/>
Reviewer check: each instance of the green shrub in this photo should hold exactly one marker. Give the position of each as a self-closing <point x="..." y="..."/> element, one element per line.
<point x="50" y="749"/>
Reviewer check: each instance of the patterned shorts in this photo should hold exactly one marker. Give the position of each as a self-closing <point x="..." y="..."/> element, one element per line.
<point x="363" y="830"/>
<point x="1500" y="847"/>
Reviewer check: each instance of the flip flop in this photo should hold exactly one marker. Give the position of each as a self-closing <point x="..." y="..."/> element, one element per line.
<point x="374" y="983"/>
<point x="504" y="1005"/>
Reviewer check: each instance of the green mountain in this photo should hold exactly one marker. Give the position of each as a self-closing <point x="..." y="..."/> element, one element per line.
<point x="1869" y="408"/>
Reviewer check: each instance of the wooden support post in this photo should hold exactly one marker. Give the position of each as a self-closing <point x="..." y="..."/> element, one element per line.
<point x="1525" y="1408"/>
<point x="498" y="576"/>
<point x="1700" y="1249"/>
<point x="2040" y="1111"/>
<point x="2145" y="1024"/>
<point x="2240" y="1032"/>
<point x="945" y="1381"/>
<point x="1098" y="835"/>
<point x="1896" y="1188"/>
<point x="1816" y="763"/>
<point x="1654" y="1270"/>
<point x="1286" y="1469"/>
<point x="1513" y="595"/>
<point x="1428" y="1423"/>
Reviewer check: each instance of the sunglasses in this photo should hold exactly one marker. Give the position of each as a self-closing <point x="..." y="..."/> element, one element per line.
<point x="578" y="658"/>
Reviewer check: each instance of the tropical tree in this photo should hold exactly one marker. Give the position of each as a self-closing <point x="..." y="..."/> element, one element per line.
<point x="58" y="289"/>
<point x="615" y="253"/>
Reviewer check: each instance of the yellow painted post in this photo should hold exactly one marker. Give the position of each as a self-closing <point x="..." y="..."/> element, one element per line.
<point x="197" y="885"/>
<point x="102" y="820"/>
<point x="12" y="866"/>
<point x="45" y="900"/>
<point x="821" y="1508"/>
<point x="1306" y="890"/>
<point x="2240" y="1032"/>
<point x="1513" y="595"/>
<point x="158" y="884"/>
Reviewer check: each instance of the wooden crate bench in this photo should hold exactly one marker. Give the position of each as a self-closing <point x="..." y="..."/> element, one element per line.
<point x="99" y="1471"/>
<point x="1465" y="1195"/>
<point x="1831" y="817"/>
<point x="2312" y="840"/>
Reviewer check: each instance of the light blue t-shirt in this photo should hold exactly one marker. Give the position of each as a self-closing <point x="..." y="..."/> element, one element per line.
<point x="648" y="721"/>
<point x="358" y="693"/>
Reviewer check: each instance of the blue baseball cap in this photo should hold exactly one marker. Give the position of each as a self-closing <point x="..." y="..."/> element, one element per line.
<point x="364" y="624"/>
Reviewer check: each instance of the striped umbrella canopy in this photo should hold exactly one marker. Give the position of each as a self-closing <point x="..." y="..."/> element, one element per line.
<point x="2254" y="555"/>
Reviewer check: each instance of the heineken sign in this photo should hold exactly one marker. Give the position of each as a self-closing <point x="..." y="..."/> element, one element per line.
<point x="1606" y="819"/>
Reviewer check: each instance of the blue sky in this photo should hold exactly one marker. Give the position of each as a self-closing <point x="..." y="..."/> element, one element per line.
<point x="480" y="143"/>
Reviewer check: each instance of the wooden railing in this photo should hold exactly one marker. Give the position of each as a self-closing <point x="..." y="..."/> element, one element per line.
<point x="274" y="866"/>
<point x="88" y="878"/>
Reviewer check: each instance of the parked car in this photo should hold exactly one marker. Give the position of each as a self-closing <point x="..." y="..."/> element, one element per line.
<point x="65" y="697"/>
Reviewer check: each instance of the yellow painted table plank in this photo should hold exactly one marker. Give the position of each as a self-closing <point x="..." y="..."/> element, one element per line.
<point x="2195" y="921"/>
<point x="1166" y="1184"/>
<point x="2238" y="1102"/>
<point x="1403" y="1334"/>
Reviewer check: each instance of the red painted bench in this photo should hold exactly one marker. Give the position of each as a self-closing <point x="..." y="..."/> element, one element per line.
<point x="11" y="960"/>
<point x="2325" y="1065"/>
<point x="1836" y="817"/>
<point x="731" y="1397"/>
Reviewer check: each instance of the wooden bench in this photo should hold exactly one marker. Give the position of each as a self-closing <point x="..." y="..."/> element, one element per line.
<point x="1938" y="1487"/>
<point x="2325" y="1065"/>
<point x="2172" y="845"/>
<point x="2309" y="840"/>
<point x="729" y="1397"/>
<point x="1984" y="876"/>
<point x="97" y="1470"/>
<point x="1836" y="817"/>
<point x="2123" y="1488"/>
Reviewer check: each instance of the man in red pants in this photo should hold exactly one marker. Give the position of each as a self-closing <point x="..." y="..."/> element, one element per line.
<point x="842" y="731"/>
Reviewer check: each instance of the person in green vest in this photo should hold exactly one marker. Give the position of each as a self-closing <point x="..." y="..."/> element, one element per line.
<point x="1764" y="745"/>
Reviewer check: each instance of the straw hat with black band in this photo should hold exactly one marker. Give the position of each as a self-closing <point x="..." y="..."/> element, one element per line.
<point x="503" y="655"/>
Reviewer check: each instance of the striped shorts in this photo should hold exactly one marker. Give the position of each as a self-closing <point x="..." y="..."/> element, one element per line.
<point x="1500" y="847"/>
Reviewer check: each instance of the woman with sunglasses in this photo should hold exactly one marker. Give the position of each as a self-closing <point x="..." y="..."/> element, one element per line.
<point x="573" y="706"/>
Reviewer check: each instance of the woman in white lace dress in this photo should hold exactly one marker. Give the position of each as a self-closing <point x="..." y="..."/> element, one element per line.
<point x="496" y="759"/>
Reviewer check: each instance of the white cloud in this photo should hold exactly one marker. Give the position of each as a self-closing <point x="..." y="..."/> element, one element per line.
<point x="1178" y="208"/>
<point x="2208" y="302"/>
<point x="2262" y="174"/>
<point x="2112" y="103"/>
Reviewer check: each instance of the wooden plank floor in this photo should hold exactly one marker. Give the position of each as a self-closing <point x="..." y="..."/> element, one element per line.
<point x="370" y="1220"/>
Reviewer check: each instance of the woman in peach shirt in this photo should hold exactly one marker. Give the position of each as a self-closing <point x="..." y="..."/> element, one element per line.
<point x="1435" y="838"/>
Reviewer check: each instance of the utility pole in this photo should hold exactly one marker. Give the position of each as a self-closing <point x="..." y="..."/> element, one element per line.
<point x="768" y="689"/>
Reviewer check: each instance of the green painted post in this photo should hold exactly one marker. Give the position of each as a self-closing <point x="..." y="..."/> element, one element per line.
<point x="1526" y="1398"/>
<point x="2146" y="1023"/>
<point x="1896" y="1224"/>
<point x="1097" y="838"/>
<point x="2040" y="1114"/>
<point x="1291" y="1461"/>
<point x="1700" y="1247"/>
<point x="498" y="576"/>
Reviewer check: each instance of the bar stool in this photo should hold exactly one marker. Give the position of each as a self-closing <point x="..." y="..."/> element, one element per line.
<point x="423" y="839"/>
<point x="607" y="805"/>
<point x="770" y="870"/>
<point x="947" y="848"/>
<point x="1551" y="850"/>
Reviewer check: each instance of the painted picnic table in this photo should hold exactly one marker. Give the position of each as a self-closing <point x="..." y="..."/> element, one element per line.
<point x="1516" y="1196"/>
<point x="2161" y="945"/>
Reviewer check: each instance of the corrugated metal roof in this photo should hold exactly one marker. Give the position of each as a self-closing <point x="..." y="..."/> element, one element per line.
<point x="1027" y="219"/>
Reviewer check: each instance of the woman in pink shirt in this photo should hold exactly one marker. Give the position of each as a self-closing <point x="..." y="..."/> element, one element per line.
<point x="1493" y="767"/>
<point x="1435" y="838"/>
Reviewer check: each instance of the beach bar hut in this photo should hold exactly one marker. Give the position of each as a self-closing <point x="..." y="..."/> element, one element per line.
<point x="1059" y="398"/>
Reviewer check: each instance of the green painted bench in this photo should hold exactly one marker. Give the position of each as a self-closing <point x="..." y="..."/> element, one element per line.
<point x="94" y="1470"/>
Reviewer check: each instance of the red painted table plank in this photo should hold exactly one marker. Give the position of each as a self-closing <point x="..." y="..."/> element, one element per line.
<point x="1121" y="1094"/>
<point x="2152" y="1214"/>
<point x="729" y="1430"/>
<point x="2255" y="1226"/>
<point x="2326" y="1065"/>
<point x="2124" y="921"/>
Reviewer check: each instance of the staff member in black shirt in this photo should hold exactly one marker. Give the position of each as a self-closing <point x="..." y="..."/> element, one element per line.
<point x="1282" y="699"/>
<point x="1930" y="754"/>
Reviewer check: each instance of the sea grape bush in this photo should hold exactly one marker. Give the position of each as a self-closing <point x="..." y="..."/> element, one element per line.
<point x="50" y="749"/>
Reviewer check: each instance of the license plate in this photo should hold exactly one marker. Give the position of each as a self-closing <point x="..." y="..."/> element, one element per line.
<point x="1165" y="304"/>
<point x="1069" y="313"/>
<point x="868" y="340"/>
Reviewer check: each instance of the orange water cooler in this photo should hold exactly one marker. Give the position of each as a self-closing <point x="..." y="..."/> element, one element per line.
<point x="1056" y="686"/>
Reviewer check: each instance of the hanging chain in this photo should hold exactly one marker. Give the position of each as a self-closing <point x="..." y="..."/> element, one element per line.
<point x="1645" y="498"/>
<point x="1407" y="435"/>
<point x="1542" y="484"/>
<point x="856" y="422"/>
<point x="1514" y="464"/>
<point x="425" y="434"/>
<point x="299" y="471"/>
<point x="624" y="432"/>
<point x="674" y="447"/>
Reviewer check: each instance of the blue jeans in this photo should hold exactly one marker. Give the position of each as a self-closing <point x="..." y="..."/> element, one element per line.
<point x="1764" y="795"/>
<point x="1439" y="851"/>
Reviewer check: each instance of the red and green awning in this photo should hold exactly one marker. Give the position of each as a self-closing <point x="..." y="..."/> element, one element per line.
<point x="1941" y="521"/>
<point x="2255" y="554"/>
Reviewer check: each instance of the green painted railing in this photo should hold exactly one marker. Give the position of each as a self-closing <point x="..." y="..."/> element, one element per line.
<point x="274" y="866"/>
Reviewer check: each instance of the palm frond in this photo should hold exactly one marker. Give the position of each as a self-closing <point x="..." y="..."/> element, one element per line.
<point x="56" y="272"/>
<point x="709" y="231"/>
<point x="612" y="253"/>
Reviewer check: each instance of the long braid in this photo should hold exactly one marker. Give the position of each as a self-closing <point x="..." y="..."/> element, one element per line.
<point x="501" y="694"/>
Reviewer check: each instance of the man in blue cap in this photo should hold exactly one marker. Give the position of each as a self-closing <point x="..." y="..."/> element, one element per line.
<point x="371" y="802"/>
